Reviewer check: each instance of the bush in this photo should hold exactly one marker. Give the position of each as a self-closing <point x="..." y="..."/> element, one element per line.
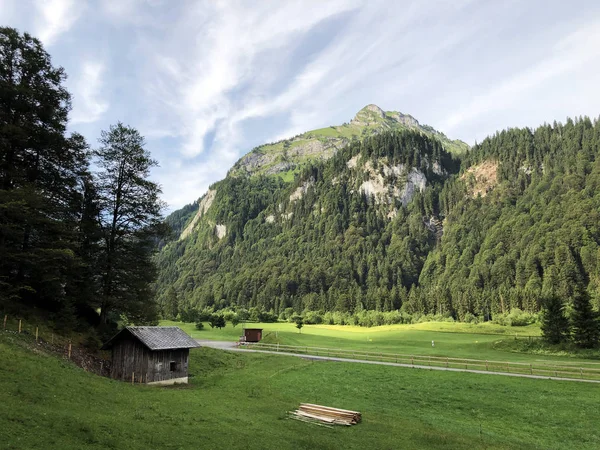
<point x="313" y="317"/>
<point x="204" y="315"/>
<point x="516" y="318"/>
<point x="501" y="319"/>
<point x="243" y="314"/>
<point x="199" y="326"/>
<point x="216" y="321"/>
<point x="260" y="315"/>
<point x="92" y="341"/>
<point x="470" y="318"/>
<point x="286" y="313"/>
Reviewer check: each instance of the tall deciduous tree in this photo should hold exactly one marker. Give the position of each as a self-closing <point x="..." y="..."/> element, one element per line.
<point x="130" y="218"/>
<point x="41" y="172"/>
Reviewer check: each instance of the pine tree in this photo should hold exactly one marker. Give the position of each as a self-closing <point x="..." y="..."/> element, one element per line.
<point x="555" y="325"/>
<point x="130" y="218"/>
<point x="41" y="169"/>
<point x="586" y="328"/>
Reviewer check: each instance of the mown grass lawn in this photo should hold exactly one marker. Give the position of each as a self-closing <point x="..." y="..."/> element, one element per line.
<point x="454" y="340"/>
<point x="240" y="400"/>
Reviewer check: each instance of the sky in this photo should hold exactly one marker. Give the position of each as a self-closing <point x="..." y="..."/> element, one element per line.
<point x="206" y="81"/>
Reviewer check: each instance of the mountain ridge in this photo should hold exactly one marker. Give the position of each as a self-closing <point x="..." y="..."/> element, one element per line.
<point x="395" y="223"/>
<point x="285" y="157"/>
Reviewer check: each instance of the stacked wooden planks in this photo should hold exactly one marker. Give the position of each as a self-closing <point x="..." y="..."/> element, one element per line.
<point x="327" y="415"/>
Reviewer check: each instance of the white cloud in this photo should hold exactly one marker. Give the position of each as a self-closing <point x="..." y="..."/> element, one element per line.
<point x="55" y="17"/>
<point x="89" y="102"/>
<point x="195" y="75"/>
<point x="223" y="42"/>
<point x="578" y="50"/>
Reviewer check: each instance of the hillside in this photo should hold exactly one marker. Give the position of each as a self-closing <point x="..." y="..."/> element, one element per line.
<point x="241" y="401"/>
<point x="288" y="156"/>
<point x="397" y="223"/>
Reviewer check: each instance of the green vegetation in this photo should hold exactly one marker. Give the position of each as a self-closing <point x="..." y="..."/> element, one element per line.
<point x="443" y="255"/>
<point x="458" y="340"/>
<point x="369" y="121"/>
<point x="240" y="401"/>
<point x="77" y="227"/>
<point x="288" y="176"/>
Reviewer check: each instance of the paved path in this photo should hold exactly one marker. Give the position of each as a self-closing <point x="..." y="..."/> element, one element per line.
<point x="232" y="346"/>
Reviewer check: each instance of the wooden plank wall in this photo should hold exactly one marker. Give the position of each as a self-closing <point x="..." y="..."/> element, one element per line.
<point x="129" y="357"/>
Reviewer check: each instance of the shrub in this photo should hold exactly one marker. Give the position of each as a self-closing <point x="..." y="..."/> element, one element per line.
<point x="286" y="313"/>
<point x="92" y="342"/>
<point x="216" y="321"/>
<point x="199" y="326"/>
<point x="516" y="318"/>
<point x="313" y="317"/>
<point x="470" y="318"/>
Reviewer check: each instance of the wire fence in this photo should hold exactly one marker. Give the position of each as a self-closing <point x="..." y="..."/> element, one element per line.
<point x="45" y="338"/>
<point x="554" y="370"/>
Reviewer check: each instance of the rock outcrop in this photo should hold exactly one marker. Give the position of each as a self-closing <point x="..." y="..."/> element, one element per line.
<point x="204" y="205"/>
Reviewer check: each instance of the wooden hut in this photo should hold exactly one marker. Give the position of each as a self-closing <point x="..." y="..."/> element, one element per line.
<point x="252" y="334"/>
<point x="153" y="355"/>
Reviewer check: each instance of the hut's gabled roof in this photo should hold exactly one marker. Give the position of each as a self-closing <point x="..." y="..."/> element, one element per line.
<point x="157" y="338"/>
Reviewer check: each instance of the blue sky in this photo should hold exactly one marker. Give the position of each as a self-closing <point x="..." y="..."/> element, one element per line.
<point x="206" y="81"/>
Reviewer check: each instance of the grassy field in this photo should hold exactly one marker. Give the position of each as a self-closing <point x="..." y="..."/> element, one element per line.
<point x="240" y="401"/>
<point x="455" y="340"/>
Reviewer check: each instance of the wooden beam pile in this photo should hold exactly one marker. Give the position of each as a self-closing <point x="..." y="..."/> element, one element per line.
<point x="309" y="412"/>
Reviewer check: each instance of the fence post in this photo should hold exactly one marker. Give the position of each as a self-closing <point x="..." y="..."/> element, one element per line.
<point x="486" y="365"/>
<point x="531" y="368"/>
<point x="19" y="326"/>
<point x="5" y="319"/>
<point x="508" y="367"/>
<point x="446" y="362"/>
<point x="132" y="377"/>
<point x="69" y="354"/>
<point x="36" y="334"/>
<point x="412" y="361"/>
<point x="101" y="366"/>
<point x="581" y="369"/>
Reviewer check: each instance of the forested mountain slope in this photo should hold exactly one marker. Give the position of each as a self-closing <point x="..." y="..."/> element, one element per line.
<point x="395" y="222"/>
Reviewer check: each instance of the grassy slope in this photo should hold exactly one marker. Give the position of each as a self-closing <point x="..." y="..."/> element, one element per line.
<point x="344" y="133"/>
<point x="240" y="401"/>
<point x="451" y="339"/>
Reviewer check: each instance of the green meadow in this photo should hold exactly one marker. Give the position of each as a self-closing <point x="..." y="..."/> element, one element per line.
<point x="454" y="340"/>
<point x="240" y="401"/>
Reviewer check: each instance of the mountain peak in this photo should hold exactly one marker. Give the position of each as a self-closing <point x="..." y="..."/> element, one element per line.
<point x="288" y="155"/>
<point x="369" y="111"/>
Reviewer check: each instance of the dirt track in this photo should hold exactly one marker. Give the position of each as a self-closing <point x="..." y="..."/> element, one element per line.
<point x="232" y="346"/>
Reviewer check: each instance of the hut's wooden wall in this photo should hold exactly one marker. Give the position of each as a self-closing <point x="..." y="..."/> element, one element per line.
<point x="253" y="334"/>
<point x="129" y="357"/>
